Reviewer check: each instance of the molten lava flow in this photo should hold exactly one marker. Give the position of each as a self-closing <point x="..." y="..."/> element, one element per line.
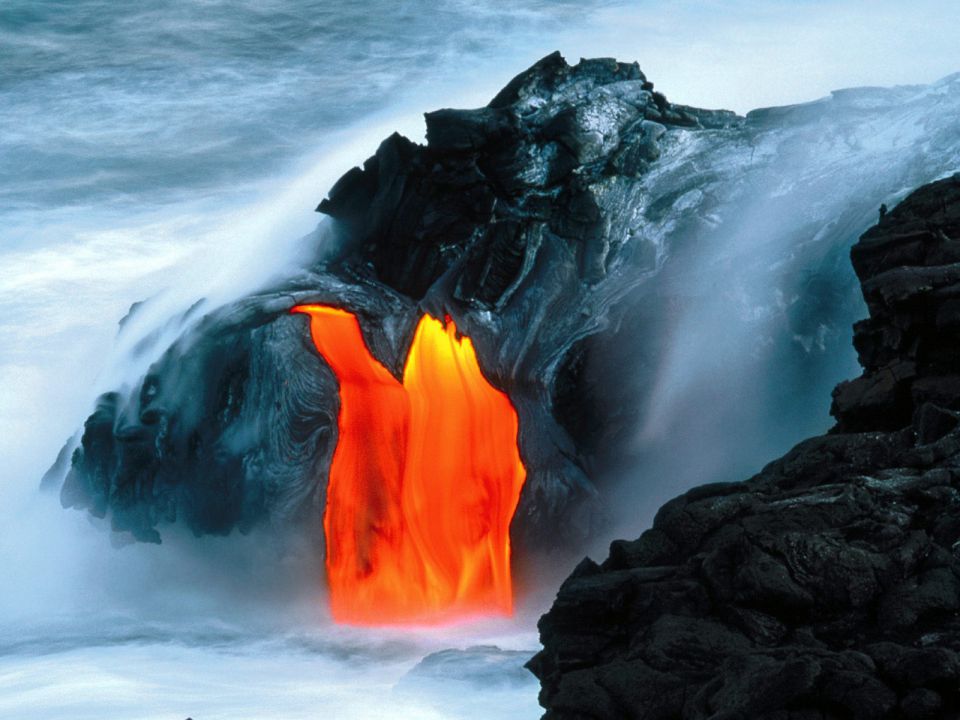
<point x="424" y="480"/>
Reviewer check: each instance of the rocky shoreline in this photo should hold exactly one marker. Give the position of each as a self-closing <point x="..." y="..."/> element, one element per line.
<point x="827" y="586"/>
<point x="512" y="220"/>
<point x="584" y="231"/>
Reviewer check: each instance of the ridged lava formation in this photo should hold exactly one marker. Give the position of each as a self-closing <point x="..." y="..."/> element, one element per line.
<point x="827" y="587"/>
<point x="424" y="480"/>
<point x="587" y="234"/>
<point x="512" y="219"/>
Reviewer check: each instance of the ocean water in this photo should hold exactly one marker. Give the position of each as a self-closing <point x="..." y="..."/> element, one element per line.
<point x="175" y="150"/>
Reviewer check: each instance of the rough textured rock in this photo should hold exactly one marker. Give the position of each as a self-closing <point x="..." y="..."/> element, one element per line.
<point x="828" y="585"/>
<point x="474" y="668"/>
<point x="479" y="681"/>
<point x="909" y="265"/>
<point x="506" y="221"/>
<point x="569" y="228"/>
<point x="236" y="421"/>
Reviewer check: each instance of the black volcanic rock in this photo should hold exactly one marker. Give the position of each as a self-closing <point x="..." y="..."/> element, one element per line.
<point x="490" y="181"/>
<point x="508" y="220"/>
<point x="480" y="681"/>
<point x="828" y="585"/>
<point x="569" y="228"/>
<point x="909" y="265"/>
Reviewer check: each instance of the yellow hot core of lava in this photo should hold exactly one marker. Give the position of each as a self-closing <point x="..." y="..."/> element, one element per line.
<point x="424" y="480"/>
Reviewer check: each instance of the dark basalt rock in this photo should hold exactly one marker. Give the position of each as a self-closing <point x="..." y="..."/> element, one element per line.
<point x="828" y="585"/>
<point x="909" y="265"/>
<point x="563" y="228"/>
<point x="490" y="181"/>
<point x="479" y="681"/>
<point x="505" y="220"/>
<point x="475" y="668"/>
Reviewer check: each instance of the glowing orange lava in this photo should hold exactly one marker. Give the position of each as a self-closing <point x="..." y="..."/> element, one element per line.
<point x="424" y="480"/>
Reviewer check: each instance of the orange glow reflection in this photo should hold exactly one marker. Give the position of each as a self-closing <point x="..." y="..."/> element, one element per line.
<point x="424" y="480"/>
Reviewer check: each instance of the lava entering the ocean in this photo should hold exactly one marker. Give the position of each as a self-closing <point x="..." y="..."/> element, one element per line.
<point x="424" y="481"/>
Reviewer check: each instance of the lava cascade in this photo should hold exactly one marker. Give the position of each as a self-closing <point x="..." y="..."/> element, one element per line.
<point x="424" y="480"/>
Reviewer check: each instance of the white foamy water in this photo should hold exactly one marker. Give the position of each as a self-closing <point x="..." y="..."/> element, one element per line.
<point x="175" y="151"/>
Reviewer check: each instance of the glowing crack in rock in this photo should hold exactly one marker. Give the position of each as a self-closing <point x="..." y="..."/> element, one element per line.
<point x="424" y="480"/>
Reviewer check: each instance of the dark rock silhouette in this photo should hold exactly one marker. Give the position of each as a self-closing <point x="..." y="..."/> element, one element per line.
<point x="827" y="586"/>
<point x="563" y="227"/>
<point x="508" y="220"/>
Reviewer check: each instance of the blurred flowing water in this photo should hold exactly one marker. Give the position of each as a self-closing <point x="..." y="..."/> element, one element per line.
<point x="175" y="150"/>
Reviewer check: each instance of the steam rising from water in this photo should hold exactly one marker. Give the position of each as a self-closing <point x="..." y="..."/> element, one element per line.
<point x="763" y="295"/>
<point x="175" y="151"/>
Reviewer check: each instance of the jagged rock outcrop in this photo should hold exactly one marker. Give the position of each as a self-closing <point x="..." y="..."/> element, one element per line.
<point x="480" y="681"/>
<point x="572" y="228"/>
<point x="508" y="220"/>
<point x="828" y="585"/>
<point x="909" y="265"/>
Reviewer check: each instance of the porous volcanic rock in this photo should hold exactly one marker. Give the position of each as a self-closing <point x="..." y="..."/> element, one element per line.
<point x="569" y="228"/>
<point x="828" y="585"/>
<point x="509" y="220"/>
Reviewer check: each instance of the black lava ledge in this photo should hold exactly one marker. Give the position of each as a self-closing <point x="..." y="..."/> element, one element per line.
<point x="828" y="585"/>
<point x="512" y="219"/>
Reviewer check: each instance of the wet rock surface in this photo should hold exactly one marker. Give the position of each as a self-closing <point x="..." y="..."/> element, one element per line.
<point x="508" y="221"/>
<point x="478" y="681"/>
<point x="475" y="667"/>
<point x="571" y="228"/>
<point x="828" y="585"/>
